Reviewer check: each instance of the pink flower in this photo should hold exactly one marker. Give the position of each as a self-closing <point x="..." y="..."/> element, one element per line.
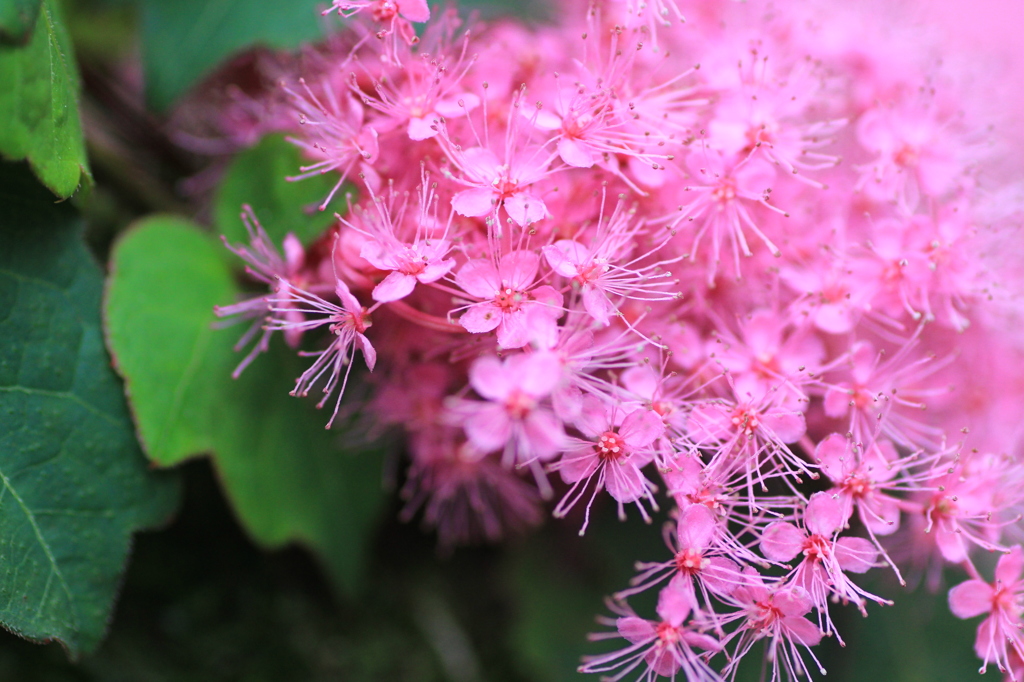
<point x="776" y="614"/>
<point x="493" y="184"/>
<point x="346" y="322"/>
<point x="826" y="558"/>
<point x="507" y="294"/>
<point x="264" y="263"/>
<point x="1001" y="635"/>
<point x="861" y="478"/>
<point x="665" y="647"/>
<point x="512" y="417"/>
<point x="699" y="563"/>
<point x="424" y="260"/>
<point x="616" y="448"/>
<point x="335" y="134"/>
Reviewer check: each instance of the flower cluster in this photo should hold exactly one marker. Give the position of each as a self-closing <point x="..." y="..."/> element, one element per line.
<point x="750" y="267"/>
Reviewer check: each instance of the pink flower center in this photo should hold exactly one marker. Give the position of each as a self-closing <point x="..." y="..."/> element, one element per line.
<point x="412" y="267"/>
<point x="857" y="485"/>
<point x="358" y="322"/>
<point x="906" y="156"/>
<point x="519" y="404"/>
<point x="588" y="273"/>
<point x="816" y="548"/>
<point x="509" y="299"/>
<point x="765" y="616"/>
<point x="385" y="10"/>
<point x="503" y="184"/>
<point x="725" y="192"/>
<point x="610" y="446"/>
<point x="668" y="634"/>
<point x="690" y="561"/>
<point x="746" y="421"/>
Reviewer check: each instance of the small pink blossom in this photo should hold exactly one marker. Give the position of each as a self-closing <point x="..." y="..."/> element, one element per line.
<point x="507" y="294"/>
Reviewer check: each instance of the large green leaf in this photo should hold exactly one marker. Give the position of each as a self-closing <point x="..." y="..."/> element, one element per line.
<point x="17" y="17"/>
<point x="39" y="105"/>
<point x="73" y="484"/>
<point x="183" y="40"/>
<point x="284" y="473"/>
<point x="257" y="177"/>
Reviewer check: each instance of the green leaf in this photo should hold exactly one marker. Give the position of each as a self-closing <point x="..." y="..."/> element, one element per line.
<point x="183" y="40"/>
<point x="73" y="484"/>
<point x="284" y="473"/>
<point x="39" y="105"/>
<point x="257" y="177"/>
<point x="17" y="17"/>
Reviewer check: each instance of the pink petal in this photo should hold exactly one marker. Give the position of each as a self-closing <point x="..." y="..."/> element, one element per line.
<point x="423" y="129"/>
<point x="479" y="279"/>
<point x="641" y="380"/>
<point x="1010" y="566"/>
<point x="788" y="427"/>
<point x="707" y="642"/>
<point x="481" y="164"/>
<point x="575" y="153"/>
<point x="525" y="209"/>
<point x="512" y="331"/>
<point x="593" y="419"/>
<point x="856" y="555"/>
<point x="567" y="401"/>
<point x="824" y="515"/>
<point x="971" y="598"/>
<point x="755" y="176"/>
<point x="565" y="255"/>
<point x="802" y="631"/>
<point x="881" y="514"/>
<point x="369" y="352"/>
<point x="674" y="606"/>
<point x="635" y="630"/>
<point x="539" y="373"/>
<point x="792" y="602"/>
<point x="663" y="661"/>
<point x="489" y="378"/>
<point x="833" y="318"/>
<point x="544" y="119"/>
<point x="721" y="576"/>
<point x="624" y="482"/>
<point x="436" y="270"/>
<point x="395" y="286"/>
<point x="518" y="269"/>
<point x="834" y="457"/>
<point x="950" y="545"/>
<point x="578" y="464"/>
<point x="543" y="436"/>
<point x="488" y="427"/>
<point x="644" y="173"/>
<point x="294" y="253"/>
<point x="414" y="10"/>
<point x="837" y="402"/>
<point x="349" y="302"/>
<point x="474" y="203"/>
<point x="782" y="541"/>
<point x="597" y="304"/>
<point x="696" y="527"/>
<point x="708" y="423"/>
<point x="641" y="427"/>
<point x="459" y="105"/>
<point x="547" y="299"/>
<point x="481" y="318"/>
